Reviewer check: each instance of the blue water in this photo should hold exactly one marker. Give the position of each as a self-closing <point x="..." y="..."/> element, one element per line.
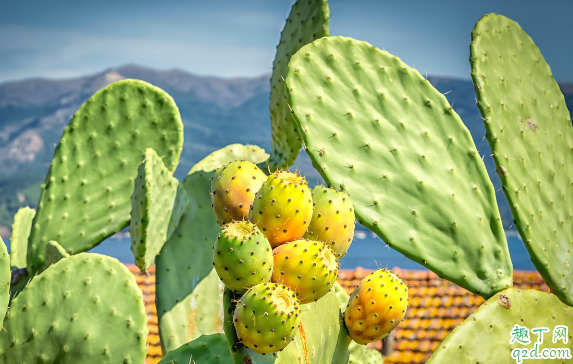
<point x="367" y="251"/>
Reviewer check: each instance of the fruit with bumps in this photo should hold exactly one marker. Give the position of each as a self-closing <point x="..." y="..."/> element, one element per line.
<point x="282" y="208"/>
<point x="376" y="306"/>
<point x="307" y="267"/>
<point x="267" y="317"/>
<point x="233" y="189"/>
<point x="333" y="219"/>
<point x="242" y="256"/>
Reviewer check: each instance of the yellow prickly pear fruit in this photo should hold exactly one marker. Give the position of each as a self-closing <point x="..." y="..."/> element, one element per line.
<point x="282" y="208"/>
<point x="376" y="306"/>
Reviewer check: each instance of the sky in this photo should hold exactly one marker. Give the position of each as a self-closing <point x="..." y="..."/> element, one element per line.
<point x="225" y="38"/>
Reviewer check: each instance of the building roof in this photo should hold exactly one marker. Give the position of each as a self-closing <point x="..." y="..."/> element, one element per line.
<point x="436" y="306"/>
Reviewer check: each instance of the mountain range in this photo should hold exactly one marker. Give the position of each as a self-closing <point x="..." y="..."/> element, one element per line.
<point x="215" y="112"/>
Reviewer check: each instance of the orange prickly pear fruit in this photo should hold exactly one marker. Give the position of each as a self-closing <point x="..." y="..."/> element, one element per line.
<point x="282" y="208"/>
<point x="376" y="306"/>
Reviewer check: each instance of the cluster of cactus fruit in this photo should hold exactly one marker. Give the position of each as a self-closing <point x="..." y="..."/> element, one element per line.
<point x="376" y="130"/>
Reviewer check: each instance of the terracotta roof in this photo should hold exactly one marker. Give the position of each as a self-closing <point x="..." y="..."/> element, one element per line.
<point x="436" y="307"/>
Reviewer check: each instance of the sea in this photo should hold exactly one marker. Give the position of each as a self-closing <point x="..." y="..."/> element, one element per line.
<point x="367" y="251"/>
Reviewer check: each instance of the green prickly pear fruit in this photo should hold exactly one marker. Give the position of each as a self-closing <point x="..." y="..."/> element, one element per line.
<point x="333" y="220"/>
<point x="242" y="256"/>
<point x="267" y="317"/>
<point x="307" y="267"/>
<point x="233" y="189"/>
<point x="282" y="208"/>
<point x="376" y="306"/>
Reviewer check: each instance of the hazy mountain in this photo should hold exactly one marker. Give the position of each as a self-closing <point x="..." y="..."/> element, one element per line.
<point x="216" y="112"/>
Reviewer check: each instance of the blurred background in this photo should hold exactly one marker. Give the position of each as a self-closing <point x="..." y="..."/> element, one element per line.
<point x="215" y="59"/>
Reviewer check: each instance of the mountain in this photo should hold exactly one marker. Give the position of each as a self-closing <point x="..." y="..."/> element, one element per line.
<point x="215" y="112"/>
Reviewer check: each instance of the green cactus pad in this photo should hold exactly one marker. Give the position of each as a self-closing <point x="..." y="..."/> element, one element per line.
<point x="54" y="253"/>
<point x="157" y="205"/>
<point x="308" y="20"/>
<point x="360" y="354"/>
<point x="5" y="276"/>
<point x="19" y="239"/>
<point x="486" y="334"/>
<point x="377" y="129"/>
<point x="185" y="277"/>
<point x="84" y="309"/>
<point x="529" y="130"/>
<point x="206" y="349"/>
<point x="86" y="195"/>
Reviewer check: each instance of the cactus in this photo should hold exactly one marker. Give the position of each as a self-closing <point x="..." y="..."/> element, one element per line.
<point x="429" y="196"/>
<point x="282" y="208"/>
<point x="85" y="197"/>
<point x="54" y="253"/>
<point x="184" y="284"/>
<point x="242" y="256"/>
<point x="267" y="317"/>
<point x="4" y="279"/>
<point x="84" y="309"/>
<point x="376" y="306"/>
<point x="233" y="190"/>
<point x="157" y="205"/>
<point x="206" y="349"/>
<point x="307" y="267"/>
<point x="19" y="239"/>
<point x="308" y="20"/>
<point x="493" y="322"/>
<point x="359" y="354"/>
<point x="530" y="133"/>
<point x="333" y="220"/>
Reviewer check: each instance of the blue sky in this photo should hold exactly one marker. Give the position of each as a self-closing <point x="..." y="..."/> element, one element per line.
<point x="60" y="39"/>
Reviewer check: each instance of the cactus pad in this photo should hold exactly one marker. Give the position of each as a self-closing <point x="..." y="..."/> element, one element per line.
<point x="157" y="205"/>
<point x="19" y="239"/>
<point x="282" y="208"/>
<point x="530" y="133"/>
<point x="54" y="253"/>
<point x="376" y="307"/>
<point x="242" y="256"/>
<point x="5" y="276"/>
<point x="494" y="321"/>
<point x="233" y="189"/>
<point x="185" y="277"/>
<point x="86" y="194"/>
<point x="52" y="319"/>
<point x="377" y="129"/>
<point x="206" y="349"/>
<point x="307" y="267"/>
<point x="333" y="220"/>
<point x="308" y="20"/>
<point x="360" y="354"/>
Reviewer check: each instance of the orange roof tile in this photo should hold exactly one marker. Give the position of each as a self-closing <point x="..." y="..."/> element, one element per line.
<point x="436" y="306"/>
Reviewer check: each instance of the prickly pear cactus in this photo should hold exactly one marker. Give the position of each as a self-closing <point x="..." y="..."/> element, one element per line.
<point x="86" y="194"/>
<point x="233" y="189"/>
<point x="52" y="320"/>
<point x="333" y="219"/>
<point x="19" y="239"/>
<point x="54" y="253"/>
<point x="282" y="208"/>
<point x="308" y="20"/>
<point x="242" y="256"/>
<point x="530" y="133"/>
<point x="206" y="349"/>
<point x="184" y="284"/>
<point x="307" y="267"/>
<point x="157" y="205"/>
<point x="4" y="279"/>
<point x="377" y="129"/>
<point x="497" y="320"/>
<point x="360" y="354"/>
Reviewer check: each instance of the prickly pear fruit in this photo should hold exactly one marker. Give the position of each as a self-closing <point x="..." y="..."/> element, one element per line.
<point x="307" y="267"/>
<point x="233" y="189"/>
<point x="267" y="317"/>
<point x="376" y="306"/>
<point x="282" y="208"/>
<point x="333" y="219"/>
<point x="242" y="256"/>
